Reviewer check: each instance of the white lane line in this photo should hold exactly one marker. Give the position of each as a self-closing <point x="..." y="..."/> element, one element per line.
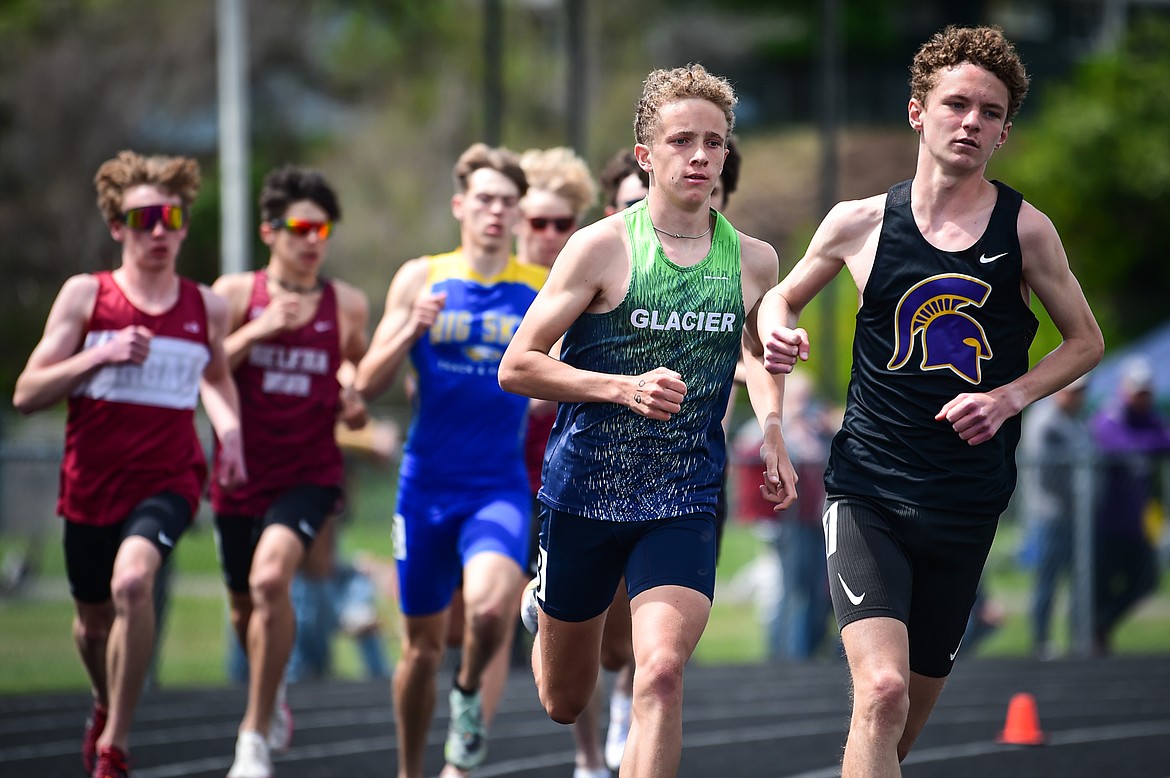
<point x="1138" y="729"/>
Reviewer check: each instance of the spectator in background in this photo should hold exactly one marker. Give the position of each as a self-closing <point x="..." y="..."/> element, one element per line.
<point x="1055" y="439"/>
<point x="797" y="621"/>
<point x="801" y="624"/>
<point x="1131" y="437"/>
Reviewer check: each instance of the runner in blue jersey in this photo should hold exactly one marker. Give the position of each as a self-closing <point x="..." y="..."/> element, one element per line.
<point x="652" y="304"/>
<point x="945" y="265"/>
<point x="463" y="501"/>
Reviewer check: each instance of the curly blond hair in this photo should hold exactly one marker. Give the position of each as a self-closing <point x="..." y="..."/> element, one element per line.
<point x="667" y="86"/>
<point x="986" y="47"/>
<point x="177" y="176"/>
<point x="560" y="171"/>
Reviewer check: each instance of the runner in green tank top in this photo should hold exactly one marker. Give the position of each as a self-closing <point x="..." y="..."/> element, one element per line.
<point x="655" y="305"/>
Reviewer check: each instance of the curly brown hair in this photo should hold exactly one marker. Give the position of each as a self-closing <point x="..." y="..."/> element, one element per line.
<point x="177" y="176"/>
<point x="986" y="47"/>
<point x="667" y="86"/>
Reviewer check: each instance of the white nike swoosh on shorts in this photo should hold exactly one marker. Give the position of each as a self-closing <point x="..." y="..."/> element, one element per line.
<point x="853" y="598"/>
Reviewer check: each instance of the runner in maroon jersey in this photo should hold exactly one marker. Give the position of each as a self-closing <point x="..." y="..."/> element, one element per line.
<point x="131" y="349"/>
<point x="295" y="338"/>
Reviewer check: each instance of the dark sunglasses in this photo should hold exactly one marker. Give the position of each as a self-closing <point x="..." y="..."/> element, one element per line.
<point x="563" y="224"/>
<point x="635" y="201"/>
<point x="144" y="219"/>
<point x="303" y="227"/>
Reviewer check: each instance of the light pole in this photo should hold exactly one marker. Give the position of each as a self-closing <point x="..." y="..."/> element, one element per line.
<point x="234" y="158"/>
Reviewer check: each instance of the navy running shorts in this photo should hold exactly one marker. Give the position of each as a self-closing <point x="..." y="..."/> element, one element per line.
<point x="581" y="561"/>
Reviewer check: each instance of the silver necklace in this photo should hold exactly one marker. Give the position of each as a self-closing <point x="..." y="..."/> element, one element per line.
<point x="680" y="235"/>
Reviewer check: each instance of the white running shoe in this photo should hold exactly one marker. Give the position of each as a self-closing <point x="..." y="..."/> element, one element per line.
<point x="252" y="759"/>
<point x="585" y="772"/>
<point x="280" y="728"/>
<point x="529" y="608"/>
<point x="466" y="735"/>
<point x="618" y="731"/>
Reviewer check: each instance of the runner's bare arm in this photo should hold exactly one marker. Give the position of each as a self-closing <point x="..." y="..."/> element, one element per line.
<point x="353" y="317"/>
<point x="58" y="363"/>
<point x="977" y="416"/>
<point x="1047" y="273"/>
<point x="408" y="314"/>
<point x="220" y="398"/>
<point x="760" y="268"/>
<point x="840" y="238"/>
<point x="593" y="263"/>
<point x="278" y="316"/>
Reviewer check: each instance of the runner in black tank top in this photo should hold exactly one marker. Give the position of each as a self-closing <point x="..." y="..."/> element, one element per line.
<point x="935" y="324"/>
<point x="924" y="463"/>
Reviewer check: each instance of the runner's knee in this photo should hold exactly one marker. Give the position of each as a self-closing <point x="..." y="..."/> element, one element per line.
<point x="564" y="705"/>
<point x="883" y="698"/>
<point x="660" y="678"/>
<point x="132" y="586"/>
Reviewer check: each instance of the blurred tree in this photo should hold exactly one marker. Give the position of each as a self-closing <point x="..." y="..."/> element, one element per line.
<point x="75" y="87"/>
<point x="80" y="80"/>
<point x="382" y="95"/>
<point x="1095" y="157"/>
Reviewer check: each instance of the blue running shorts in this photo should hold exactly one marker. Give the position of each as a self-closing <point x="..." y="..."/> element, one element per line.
<point x="437" y="530"/>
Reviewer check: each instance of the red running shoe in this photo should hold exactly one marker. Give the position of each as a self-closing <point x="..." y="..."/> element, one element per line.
<point x="112" y="763"/>
<point x="93" y="730"/>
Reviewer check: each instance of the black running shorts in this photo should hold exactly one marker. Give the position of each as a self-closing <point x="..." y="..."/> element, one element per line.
<point x="303" y="509"/>
<point x="920" y="566"/>
<point x="90" y="551"/>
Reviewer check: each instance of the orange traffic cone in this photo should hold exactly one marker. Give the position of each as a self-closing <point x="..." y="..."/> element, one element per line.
<point x="1022" y="727"/>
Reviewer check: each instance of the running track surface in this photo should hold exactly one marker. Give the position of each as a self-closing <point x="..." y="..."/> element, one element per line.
<point x="1101" y="718"/>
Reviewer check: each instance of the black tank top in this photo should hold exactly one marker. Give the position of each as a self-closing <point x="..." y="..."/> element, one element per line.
<point x="934" y="324"/>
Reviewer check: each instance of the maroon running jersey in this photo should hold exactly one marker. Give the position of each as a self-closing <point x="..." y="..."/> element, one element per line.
<point x="130" y="433"/>
<point x="288" y="408"/>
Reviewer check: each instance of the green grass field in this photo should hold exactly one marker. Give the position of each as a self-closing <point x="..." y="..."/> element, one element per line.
<point x="37" y="653"/>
